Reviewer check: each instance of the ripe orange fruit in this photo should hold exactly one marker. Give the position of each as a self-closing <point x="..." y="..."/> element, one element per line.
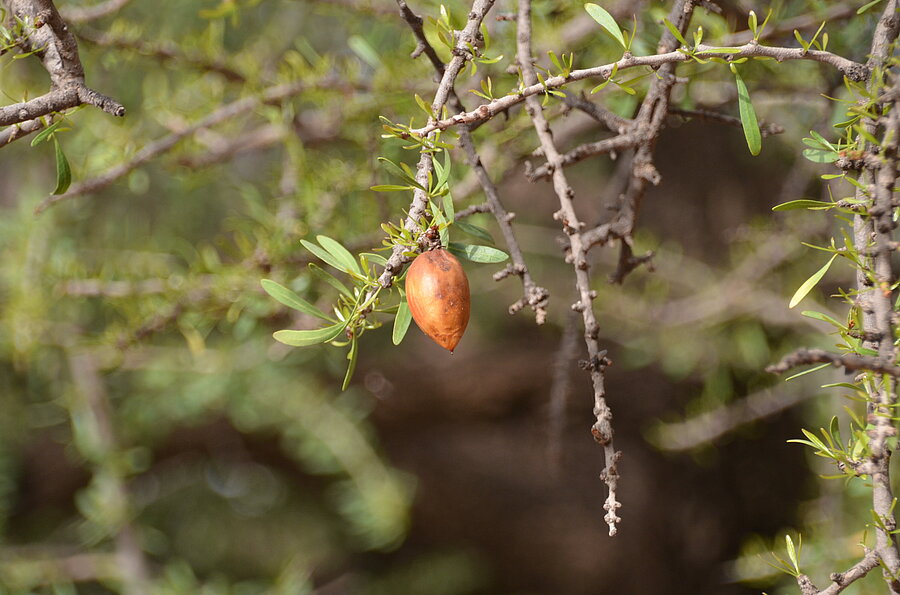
<point x="438" y="294"/>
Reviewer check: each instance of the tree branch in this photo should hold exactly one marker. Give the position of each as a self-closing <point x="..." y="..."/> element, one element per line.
<point x="49" y="38"/>
<point x="850" y="362"/>
<point x="602" y="429"/>
<point x="852" y="70"/>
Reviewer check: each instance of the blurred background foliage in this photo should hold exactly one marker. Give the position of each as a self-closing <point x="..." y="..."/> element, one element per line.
<point x="155" y="439"/>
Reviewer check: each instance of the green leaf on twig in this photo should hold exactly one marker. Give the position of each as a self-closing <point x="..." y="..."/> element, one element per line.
<point x="313" y="337"/>
<point x="401" y="322"/>
<point x="810" y="283"/>
<point x="606" y="21"/>
<point x="748" y="115"/>
<point x="292" y="300"/>
<point x="63" y="171"/>
<point x="482" y="254"/>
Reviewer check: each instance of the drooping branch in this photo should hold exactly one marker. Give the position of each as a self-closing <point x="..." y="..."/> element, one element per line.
<point x="47" y="35"/>
<point x="602" y="429"/>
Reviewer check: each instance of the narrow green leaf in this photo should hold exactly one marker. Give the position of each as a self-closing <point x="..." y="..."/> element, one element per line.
<point x="375" y="258"/>
<point x="365" y="51"/>
<point x="846" y="385"/>
<point x="805" y="372"/>
<point x="606" y="21"/>
<point x="792" y="553"/>
<point x="45" y="133"/>
<point x="353" y="356"/>
<point x="307" y="338"/>
<point x="449" y="209"/>
<point x="474" y="230"/>
<point x="823" y="317"/>
<point x="389" y="188"/>
<point x="401" y="322"/>
<point x="330" y="279"/>
<point x="866" y="7"/>
<point x="483" y="254"/>
<point x="748" y="115"/>
<point x="342" y="254"/>
<point x="674" y="31"/>
<point x="326" y="256"/>
<point x="63" y="172"/>
<point x="822" y="140"/>
<point x="820" y="156"/>
<point x="723" y="50"/>
<point x="808" y="285"/>
<point x="803" y="203"/>
<point x="292" y="300"/>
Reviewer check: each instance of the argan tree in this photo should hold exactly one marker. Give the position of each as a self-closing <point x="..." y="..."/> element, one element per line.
<point x="223" y="171"/>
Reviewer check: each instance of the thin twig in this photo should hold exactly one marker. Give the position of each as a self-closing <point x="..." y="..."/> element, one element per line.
<point x="852" y="70"/>
<point x="602" y="429"/>
<point x="465" y="38"/>
<point x="850" y="362"/>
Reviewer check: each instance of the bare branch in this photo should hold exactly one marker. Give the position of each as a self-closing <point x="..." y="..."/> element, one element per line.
<point x="849" y="362"/>
<point x="602" y="429"/>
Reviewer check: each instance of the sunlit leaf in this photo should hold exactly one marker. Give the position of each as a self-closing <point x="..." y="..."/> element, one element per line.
<point x="606" y="21"/>
<point x="808" y="285"/>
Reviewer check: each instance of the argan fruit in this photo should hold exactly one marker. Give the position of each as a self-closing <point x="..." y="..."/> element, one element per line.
<point x="438" y="294"/>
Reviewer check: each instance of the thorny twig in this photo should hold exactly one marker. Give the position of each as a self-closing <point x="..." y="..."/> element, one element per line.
<point x="873" y="239"/>
<point x="597" y="362"/>
<point x="852" y="70"/>
<point x="850" y="362"/>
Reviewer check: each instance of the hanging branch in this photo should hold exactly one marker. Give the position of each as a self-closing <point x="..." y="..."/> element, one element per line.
<point x="602" y="429"/>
